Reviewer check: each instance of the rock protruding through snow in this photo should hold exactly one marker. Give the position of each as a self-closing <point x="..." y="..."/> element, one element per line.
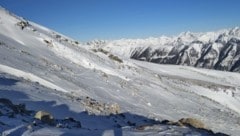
<point x="44" y="116"/>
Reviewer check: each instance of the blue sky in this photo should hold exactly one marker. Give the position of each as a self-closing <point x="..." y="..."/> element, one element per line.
<point x="86" y="20"/>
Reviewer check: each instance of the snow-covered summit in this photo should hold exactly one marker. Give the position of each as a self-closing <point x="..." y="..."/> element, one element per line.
<point x="215" y="50"/>
<point x="106" y="93"/>
<point x="186" y="37"/>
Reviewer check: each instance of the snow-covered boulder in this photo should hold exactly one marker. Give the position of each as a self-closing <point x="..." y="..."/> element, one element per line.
<point x="44" y="116"/>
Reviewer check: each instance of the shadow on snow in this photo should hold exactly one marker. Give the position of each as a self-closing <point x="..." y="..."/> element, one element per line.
<point x="91" y="124"/>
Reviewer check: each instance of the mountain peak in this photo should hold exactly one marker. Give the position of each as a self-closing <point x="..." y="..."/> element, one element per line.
<point x="96" y="90"/>
<point x="216" y="50"/>
<point x="234" y="31"/>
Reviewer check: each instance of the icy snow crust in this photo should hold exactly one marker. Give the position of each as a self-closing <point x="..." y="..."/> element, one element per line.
<point x="50" y="72"/>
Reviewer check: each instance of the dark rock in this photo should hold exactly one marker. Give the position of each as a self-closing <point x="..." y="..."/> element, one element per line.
<point x="221" y="134"/>
<point x="165" y="122"/>
<point x="68" y="122"/>
<point x="6" y="102"/>
<point x="70" y="119"/>
<point x="23" y="24"/>
<point x="131" y="123"/>
<point x="192" y="122"/>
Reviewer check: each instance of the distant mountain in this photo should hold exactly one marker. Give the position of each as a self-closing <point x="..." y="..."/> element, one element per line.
<point x="213" y="50"/>
<point x="53" y="85"/>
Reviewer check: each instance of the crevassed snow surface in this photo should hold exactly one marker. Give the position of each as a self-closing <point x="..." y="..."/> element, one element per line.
<point x="51" y="71"/>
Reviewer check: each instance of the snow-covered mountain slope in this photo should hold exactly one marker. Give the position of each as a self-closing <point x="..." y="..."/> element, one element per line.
<point x="109" y="96"/>
<point x="213" y="50"/>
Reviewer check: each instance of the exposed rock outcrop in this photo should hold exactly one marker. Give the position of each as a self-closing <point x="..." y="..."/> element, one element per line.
<point x="95" y="107"/>
<point x="44" y="116"/>
<point x="192" y="122"/>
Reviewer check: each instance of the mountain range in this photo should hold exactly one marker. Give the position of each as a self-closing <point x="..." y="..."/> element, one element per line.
<point x="51" y="84"/>
<point x="213" y="50"/>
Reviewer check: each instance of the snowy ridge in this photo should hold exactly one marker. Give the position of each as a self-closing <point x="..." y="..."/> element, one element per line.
<point x="107" y="93"/>
<point x="214" y="50"/>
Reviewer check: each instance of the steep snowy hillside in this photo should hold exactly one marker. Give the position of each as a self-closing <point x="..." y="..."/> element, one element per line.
<point x="213" y="50"/>
<point x="93" y="92"/>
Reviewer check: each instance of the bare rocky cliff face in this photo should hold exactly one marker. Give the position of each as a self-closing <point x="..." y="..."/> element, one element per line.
<point x="219" y="55"/>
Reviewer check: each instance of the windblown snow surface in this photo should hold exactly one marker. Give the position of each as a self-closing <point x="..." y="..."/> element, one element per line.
<point x="48" y="71"/>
